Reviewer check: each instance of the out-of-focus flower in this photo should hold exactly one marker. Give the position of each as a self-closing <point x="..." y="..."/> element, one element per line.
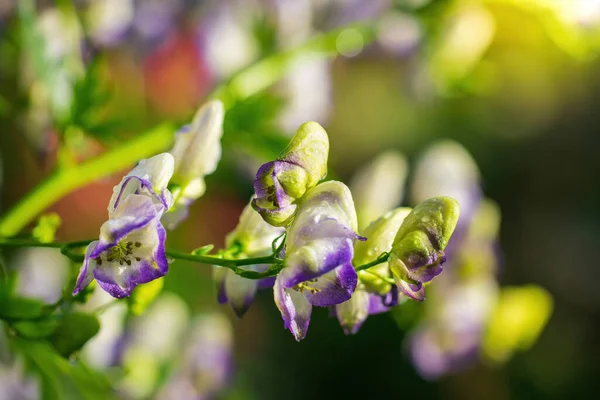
<point x="15" y="385"/>
<point x="41" y="274"/>
<point x="417" y="254"/>
<point x="516" y="322"/>
<point x="103" y="350"/>
<point x="307" y="90"/>
<point x="226" y="37"/>
<point x="461" y="301"/>
<point x="378" y="187"/>
<point x="205" y="363"/>
<point x="252" y="237"/>
<point x="131" y="247"/>
<point x="280" y="184"/>
<point x="447" y="169"/>
<point x="319" y="250"/>
<point x="109" y="20"/>
<point x="449" y="337"/>
<point x="374" y="294"/>
<point x="197" y="151"/>
<point x="151" y="342"/>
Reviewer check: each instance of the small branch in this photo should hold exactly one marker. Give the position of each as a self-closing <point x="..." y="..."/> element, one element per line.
<point x="379" y="260"/>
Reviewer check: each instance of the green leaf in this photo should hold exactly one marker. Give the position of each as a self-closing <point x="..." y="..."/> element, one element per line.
<point x="74" y="331"/>
<point x="36" y="329"/>
<point x="46" y="227"/>
<point x="143" y="295"/>
<point x="204" y="250"/>
<point x="61" y="379"/>
<point x="13" y="307"/>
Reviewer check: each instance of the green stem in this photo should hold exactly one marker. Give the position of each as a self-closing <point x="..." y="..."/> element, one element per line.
<point x="65" y="181"/>
<point x="379" y="260"/>
<point x="66" y="248"/>
<point x="246" y="83"/>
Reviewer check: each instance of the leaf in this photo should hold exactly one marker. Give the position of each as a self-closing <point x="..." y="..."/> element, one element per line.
<point x="204" y="250"/>
<point x="13" y="307"/>
<point x="46" y="227"/>
<point x="143" y="295"/>
<point x="36" y="329"/>
<point x="73" y="332"/>
<point x="61" y="379"/>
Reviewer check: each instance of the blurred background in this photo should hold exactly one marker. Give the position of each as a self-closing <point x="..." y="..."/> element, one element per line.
<point x="515" y="83"/>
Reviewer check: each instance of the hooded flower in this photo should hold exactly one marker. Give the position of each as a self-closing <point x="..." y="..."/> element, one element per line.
<point x="197" y="151"/>
<point x="318" y="267"/>
<point x="418" y="250"/>
<point x="253" y="237"/>
<point x="280" y="184"/>
<point x="131" y="246"/>
<point x="374" y="294"/>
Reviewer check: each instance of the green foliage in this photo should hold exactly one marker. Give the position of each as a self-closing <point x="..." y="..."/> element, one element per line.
<point x="144" y="295"/>
<point x="36" y="329"/>
<point x="61" y="379"/>
<point x="74" y="331"/>
<point x="45" y="230"/>
<point x="250" y="125"/>
<point x="15" y="308"/>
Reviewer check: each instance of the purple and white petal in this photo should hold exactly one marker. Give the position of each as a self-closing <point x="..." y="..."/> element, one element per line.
<point x="86" y="274"/>
<point x="134" y="213"/>
<point x="295" y="309"/>
<point x="332" y="288"/>
<point x="354" y="312"/>
<point x="240" y="292"/>
<point x="219" y="274"/>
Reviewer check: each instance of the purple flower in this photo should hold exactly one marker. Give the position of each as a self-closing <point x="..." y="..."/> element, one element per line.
<point x="281" y="184"/>
<point x="252" y="237"/>
<point x="449" y="338"/>
<point x="318" y="267"/>
<point x="206" y="361"/>
<point x="131" y="246"/>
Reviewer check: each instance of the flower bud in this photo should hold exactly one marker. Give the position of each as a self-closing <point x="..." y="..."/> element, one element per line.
<point x="380" y="237"/>
<point x="197" y="151"/>
<point x="281" y="183"/>
<point x="418" y="249"/>
<point x="197" y="148"/>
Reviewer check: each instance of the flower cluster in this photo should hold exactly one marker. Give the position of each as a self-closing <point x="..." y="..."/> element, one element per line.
<point x="298" y="235"/>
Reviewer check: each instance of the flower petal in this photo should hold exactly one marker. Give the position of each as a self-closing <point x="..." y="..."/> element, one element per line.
<point x="310" y="262"/>
<point x="134" y="212"/>
<point x="353" y="313"/>
<point x="219" y="274"/>
<point x="86" y="275"/>
<point x="295" y="309"/>
<point x="148" y="262"/>
<point x="333" y="287"/>
<point x="240" y="292"/>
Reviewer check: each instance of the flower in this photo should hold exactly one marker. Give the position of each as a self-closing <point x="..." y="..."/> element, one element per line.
<point x="197" y="151"/>
<point x="205" y="364"/>
<point x="374" y="294"/>
<point x="131" y="246"/>
<point x="252" y="237"/>
<point x="281" y="184"/>
<point x="318" y="263"/>
<point x="418" y="250"/>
